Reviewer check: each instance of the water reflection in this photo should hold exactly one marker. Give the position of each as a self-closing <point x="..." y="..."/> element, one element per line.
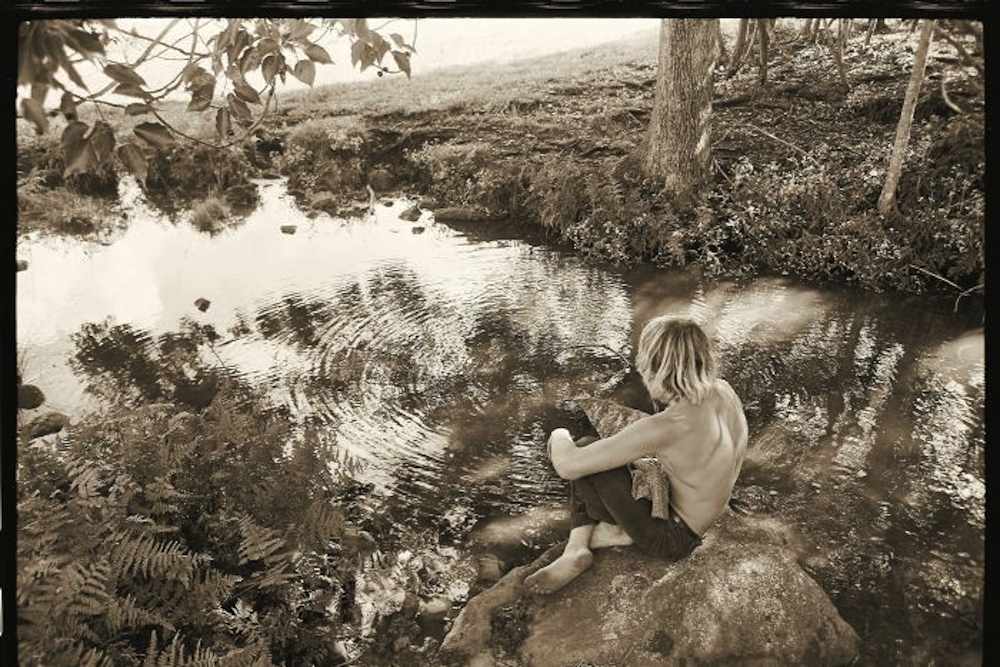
<point x="439" y="360"/>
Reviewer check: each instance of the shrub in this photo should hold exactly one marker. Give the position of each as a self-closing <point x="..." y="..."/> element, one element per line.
<point x="61" y="211"/>
<point x="325" y="154"/>
<point x="43" y="157"/>
<point x="209" y="214"/>
<point x="152" y="536"/>
<point x="187" y="173"/>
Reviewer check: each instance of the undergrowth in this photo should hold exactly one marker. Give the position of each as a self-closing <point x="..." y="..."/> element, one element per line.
<point x="150" y="536"/>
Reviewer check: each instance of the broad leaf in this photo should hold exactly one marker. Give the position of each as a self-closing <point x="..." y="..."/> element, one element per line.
<point x="78" y="157"/>
<point x="202" y="89"/>
<point x="134" y="160"/>
<point x="268" y="45"/>
<point x="357" y="48"/>
<point x="128" y="90"/>
<point x="401" y="43"/>
<point x="83" y="42"/>
<point x="136" y="109"/>
<point x="102" y="141"/>
<point x="70" y="69"/>
<point x="238" y="108"/>
<point x="223" y="125"/>
<point x="305" y="71"/>
<point x="272" y="64"/>
<point x="154" y="134"/>
<point x="250" y="60"/>
<point x="402" y="61"/>
<point x="318" y="54"/>
<point x="123" y="74"/>
<point x="241" y="41"/>
<point x="67" y="106"/>
<point x="33" y="111"/>
<point x="191" y="71"/>
<point x="300" y="30"/>
<point x="245" y="92"/>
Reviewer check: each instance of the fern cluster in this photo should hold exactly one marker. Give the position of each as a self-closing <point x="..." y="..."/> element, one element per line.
<point x="154" y="538"/>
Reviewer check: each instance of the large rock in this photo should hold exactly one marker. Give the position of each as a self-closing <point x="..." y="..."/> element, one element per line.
<point x="47" y="424"/>
<point x="740" y="598"/>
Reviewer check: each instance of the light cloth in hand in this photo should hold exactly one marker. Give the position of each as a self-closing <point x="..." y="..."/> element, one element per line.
<point x="649" y="480"/>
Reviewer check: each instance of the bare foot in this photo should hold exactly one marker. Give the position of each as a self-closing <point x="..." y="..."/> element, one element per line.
<point x="560" y="572"/>
<point x="609" y="535"/>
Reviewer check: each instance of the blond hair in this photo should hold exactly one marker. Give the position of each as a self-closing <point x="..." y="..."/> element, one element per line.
<point x="675" y="359"/>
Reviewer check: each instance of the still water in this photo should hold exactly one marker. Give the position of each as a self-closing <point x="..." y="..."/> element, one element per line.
<point x="438" y="357"/>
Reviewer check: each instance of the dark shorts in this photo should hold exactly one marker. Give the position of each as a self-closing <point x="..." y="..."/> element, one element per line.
<point x="607" y="496"/>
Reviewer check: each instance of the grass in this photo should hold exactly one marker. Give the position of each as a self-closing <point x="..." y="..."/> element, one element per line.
<point x="209" y="214"/>
<point x="61" y="211"/>
<point x="469" y="88"/>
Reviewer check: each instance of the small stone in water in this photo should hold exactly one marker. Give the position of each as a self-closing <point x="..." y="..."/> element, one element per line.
<point x="773" y="492"/>
<point x="288" y="229"/>
<point x="962" y="554"/>
<point x="202" y="304"/>
<point x="417" y="230"/>
<point x="861" y="474"/>
<point x="22" y="265"/>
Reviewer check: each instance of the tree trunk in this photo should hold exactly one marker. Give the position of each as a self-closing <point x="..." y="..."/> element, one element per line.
<point x="762" y="33"/>
<point x="738" y="48"/>
<point x="816" y="27"/>
<point x="838" y="53"/>
<point x="887" y="200"/>
<point x="870" y="31"/>
<point x="806" y="29"/>
<point x="679" y="147"/>
<point x="723" y="56"/>
<point x="881" y="27"/>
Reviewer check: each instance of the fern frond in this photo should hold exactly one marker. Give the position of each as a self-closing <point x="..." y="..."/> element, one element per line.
<point x="259" y="543"/>
<point x="124" y="613"/>
<point x="256" y="655"/>
<point x="146" y="555"/>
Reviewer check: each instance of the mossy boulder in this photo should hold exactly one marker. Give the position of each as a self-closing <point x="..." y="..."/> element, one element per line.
<point x="47" y="424"/>
<point x="740" y="598"/>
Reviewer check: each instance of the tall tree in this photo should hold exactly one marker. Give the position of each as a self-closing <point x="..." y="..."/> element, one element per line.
<point x="887" y="200"/>
<point x="678" y="150"/>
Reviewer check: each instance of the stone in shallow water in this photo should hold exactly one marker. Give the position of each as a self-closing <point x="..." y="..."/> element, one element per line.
<point x="411" y="214"/>
<point x="22" y="265"/>
<point x="29" y="397"/>
<point x="453" y="214"/>
<point x="202" y="304"/>
<point x="288" y="229"/>
<point x="417" y="230"/>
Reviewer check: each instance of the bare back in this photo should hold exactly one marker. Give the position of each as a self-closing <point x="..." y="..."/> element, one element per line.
<point x="705" y="461"/>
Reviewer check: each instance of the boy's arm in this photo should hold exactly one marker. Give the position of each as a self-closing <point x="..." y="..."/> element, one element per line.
<point x="641" y="438"/>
